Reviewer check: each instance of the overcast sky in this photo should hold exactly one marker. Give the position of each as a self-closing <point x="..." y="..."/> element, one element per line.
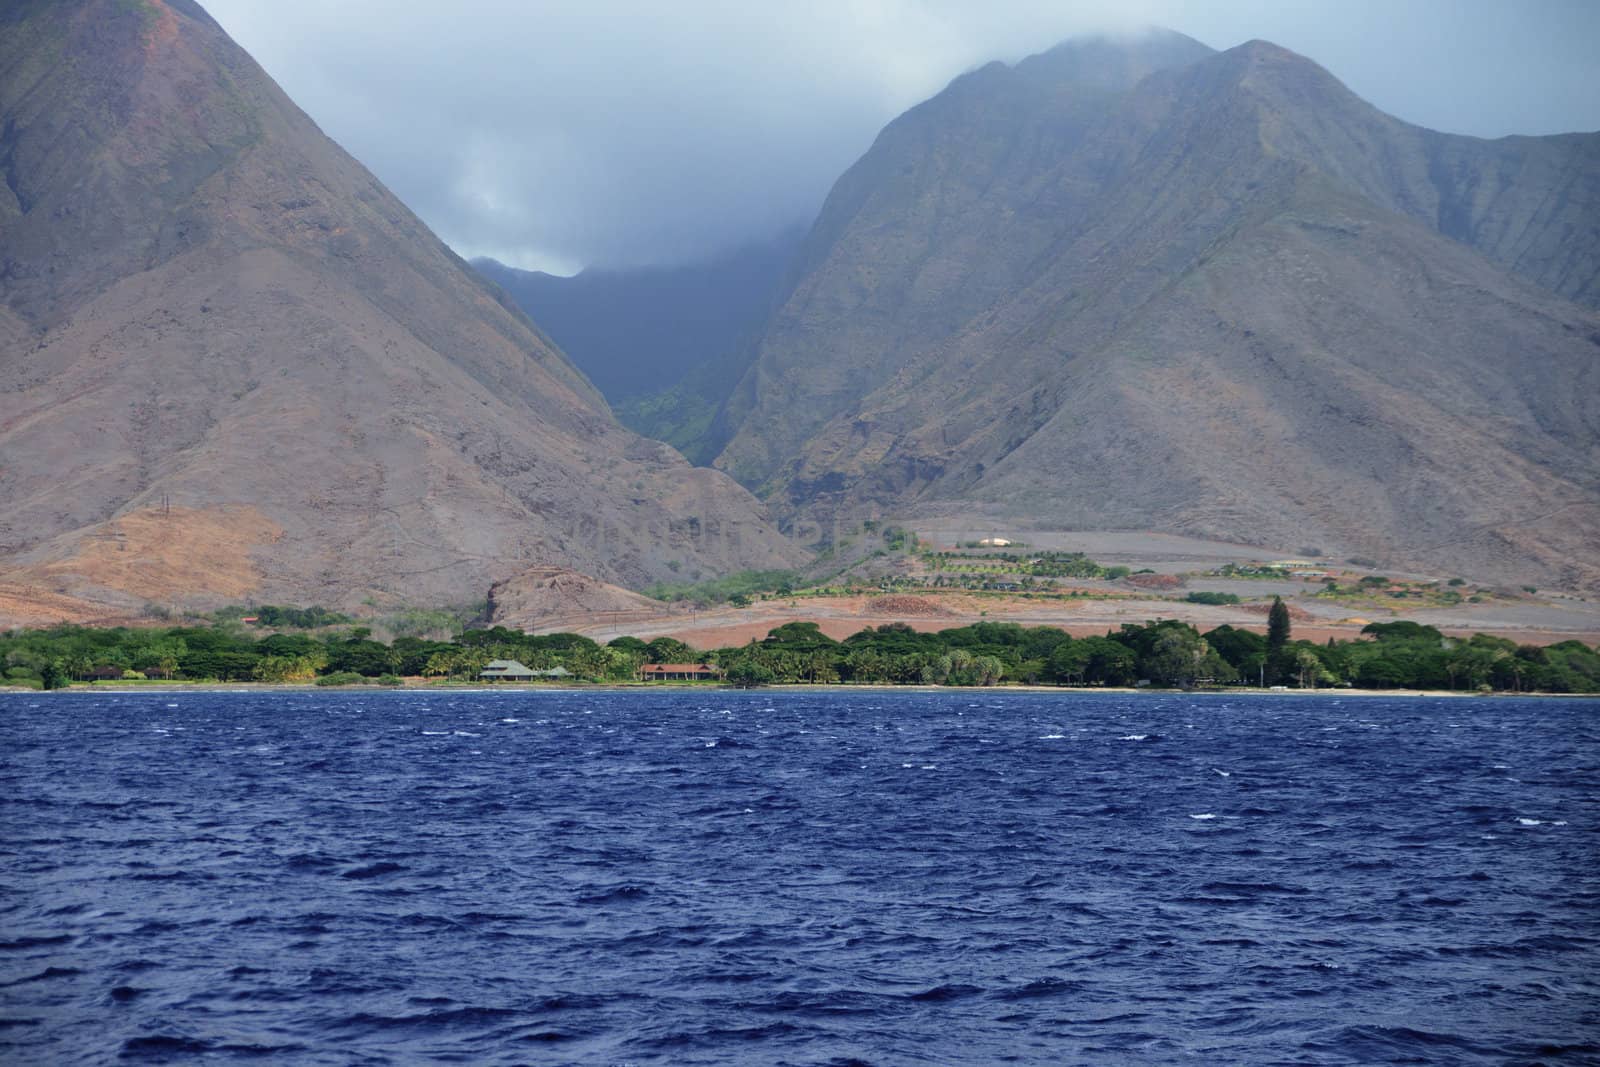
<point x="553" y="134"/>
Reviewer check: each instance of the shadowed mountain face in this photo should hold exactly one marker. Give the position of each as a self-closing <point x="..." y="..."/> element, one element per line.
<point x="664" y="344"/>
<point x="234" y="364"/>
<point x="1149" y="286"/>
<point x="639" y="331"/>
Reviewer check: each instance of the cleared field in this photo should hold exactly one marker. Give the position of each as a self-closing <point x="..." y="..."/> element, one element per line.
<point x="841" y="616"/>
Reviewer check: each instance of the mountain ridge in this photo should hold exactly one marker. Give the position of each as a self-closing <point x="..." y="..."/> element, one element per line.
<point x="211" y="311"/>
<point x="1009" y="276"/>
<point x="659" y="342"/>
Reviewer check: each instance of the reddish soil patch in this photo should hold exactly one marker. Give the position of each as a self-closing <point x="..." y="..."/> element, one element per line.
<point x="177" y="554"/>
<point x="1154" y="581"/>
<point x="905" y="607"/>
<point x="25" y="606"/>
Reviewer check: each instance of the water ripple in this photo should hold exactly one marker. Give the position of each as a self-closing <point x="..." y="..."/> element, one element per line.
<point x="798" y="878"/>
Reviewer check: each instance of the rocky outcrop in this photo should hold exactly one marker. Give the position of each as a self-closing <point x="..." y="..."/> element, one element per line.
<point x="551" y="598"/>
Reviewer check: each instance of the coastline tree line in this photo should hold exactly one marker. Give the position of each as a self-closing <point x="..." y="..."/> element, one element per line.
<point x="1395" y="655"/>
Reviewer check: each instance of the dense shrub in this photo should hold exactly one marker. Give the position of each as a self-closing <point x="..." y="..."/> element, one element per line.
<point x="342" y="678"/>
<point x="1204" y="597"/>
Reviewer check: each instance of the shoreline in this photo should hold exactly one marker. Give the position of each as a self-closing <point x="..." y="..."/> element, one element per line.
<point x="169" y="688"/>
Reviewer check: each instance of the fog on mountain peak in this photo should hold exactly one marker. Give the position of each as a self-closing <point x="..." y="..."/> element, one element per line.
<point x="555" y="136"/>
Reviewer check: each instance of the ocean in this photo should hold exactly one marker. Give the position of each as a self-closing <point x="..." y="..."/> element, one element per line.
<point x="815" y="877"/>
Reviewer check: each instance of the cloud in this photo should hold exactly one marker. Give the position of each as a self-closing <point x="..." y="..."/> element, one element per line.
<point x="625" y="132"/>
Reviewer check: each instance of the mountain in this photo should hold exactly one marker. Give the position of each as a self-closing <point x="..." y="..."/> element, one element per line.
<point x="234" y="365"/>
<point x="662" y="343"/>
<point x="1145" y="285"/>
<point x="640" y="330"/>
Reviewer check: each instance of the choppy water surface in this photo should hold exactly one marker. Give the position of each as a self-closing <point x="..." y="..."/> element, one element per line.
<point x="857" y="877"/>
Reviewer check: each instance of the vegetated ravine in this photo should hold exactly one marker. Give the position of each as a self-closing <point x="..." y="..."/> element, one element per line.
<point x="828" y="877"/>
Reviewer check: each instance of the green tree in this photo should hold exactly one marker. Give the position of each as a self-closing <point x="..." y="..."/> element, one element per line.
<point x="1110" y="662"/>
<point x="1244" y="650"/>
<point x="1177" y="657"/>
<point x="987" y="670"/>
<point x="1070" y="660"/>
<point x="807" y="635"/>
<point x="290" y="668"/>
<point x="668" y="650"/>
<point x="457" y="663"/>
<point x="820" y="668"/>
<point x="1309" y="668"/>
<point x="161" y="657"/>
<point x="747" y="674"/>
<point x="1278" y="662"/>
<point x="867" y="665"/>
<point x="361" y="656"/>
<point x="1402" y="630"/>
<point x="622" y="663"/>
<point x="413" y="653"/>
<point x="53" y="676"/>
<point x="589" y="662"/>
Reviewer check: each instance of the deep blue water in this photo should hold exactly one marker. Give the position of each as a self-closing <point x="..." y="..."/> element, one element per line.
<point x="798" y="878"/>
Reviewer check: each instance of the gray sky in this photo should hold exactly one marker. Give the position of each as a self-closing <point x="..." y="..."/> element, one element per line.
<point x="553" y="134"/>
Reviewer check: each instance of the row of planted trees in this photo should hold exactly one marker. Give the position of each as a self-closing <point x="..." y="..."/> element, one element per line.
<point x="229" y="652"/>
<point x="1400" y="655"/>
<point x="1164" y="652"/>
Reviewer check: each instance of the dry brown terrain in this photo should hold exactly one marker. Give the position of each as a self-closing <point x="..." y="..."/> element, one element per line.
<point x="153" y="553"/>
<point x="28" y="606"/>
<point x="555" y="599"/>
<point x="206" y="304"/>
<point x="1141" y="285"/>
<point x="841" y="616"/>
<point x="1546" y="618"/>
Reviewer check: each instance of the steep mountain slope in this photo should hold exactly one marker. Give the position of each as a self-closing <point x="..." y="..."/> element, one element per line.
<point x="1231" y="300"/>
<point x="233" y="364"/>
<point x="898" y="258"/>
